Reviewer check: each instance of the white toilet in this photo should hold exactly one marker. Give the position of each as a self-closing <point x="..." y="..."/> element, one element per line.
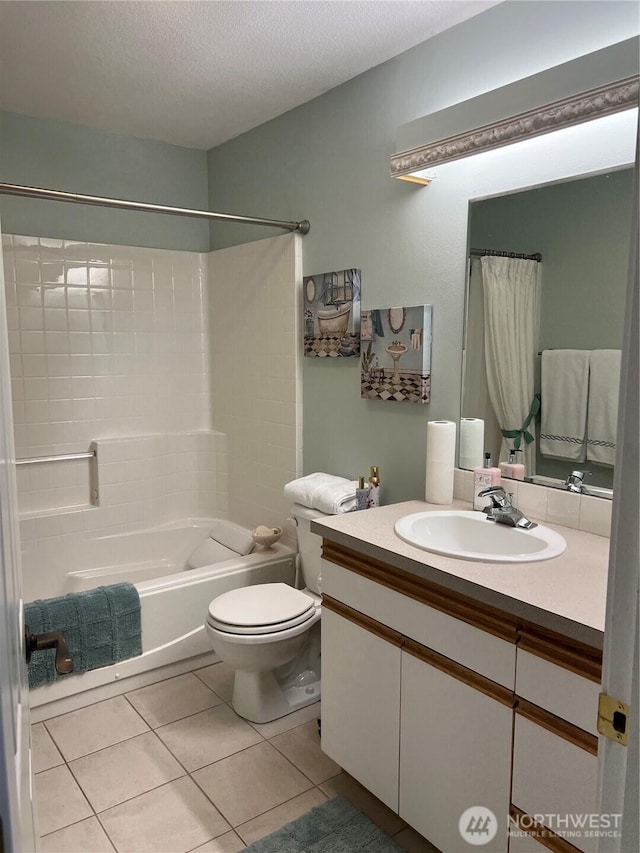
<point x="270" y="634"/>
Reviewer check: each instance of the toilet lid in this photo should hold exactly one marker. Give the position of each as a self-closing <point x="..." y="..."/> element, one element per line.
<point x="261" y="608"/>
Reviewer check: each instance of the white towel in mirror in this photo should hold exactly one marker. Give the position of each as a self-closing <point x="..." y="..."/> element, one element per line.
<point x="602" y="416"/>
<point x="564" y="387"/>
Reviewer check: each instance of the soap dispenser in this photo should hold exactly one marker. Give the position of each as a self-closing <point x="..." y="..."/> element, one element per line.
<point x="484" y="477"/>
<point x="374" y="487"/>
<point x="512" y="469"/>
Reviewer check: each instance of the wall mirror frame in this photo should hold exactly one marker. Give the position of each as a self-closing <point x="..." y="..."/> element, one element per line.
<point x="595" y="141"/>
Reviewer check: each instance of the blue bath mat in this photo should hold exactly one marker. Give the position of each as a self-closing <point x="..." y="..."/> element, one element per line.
<point x="333" y="827"/>
<point x="101" y="626"/>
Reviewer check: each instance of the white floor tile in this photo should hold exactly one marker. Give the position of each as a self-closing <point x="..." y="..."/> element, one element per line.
<point x="274" y="819"/>
<point x="227" y="843"/>
<point x="125" y="770"/>
<point x="219" y="677"/>
<point x="45" y="752"/>
<point x="208" y="737"/>
<point x="89" y="729"/>
<point x="251" y="782"/>
<point x="84" y="837"/>
<point x="412" y="842"/>
<point x="172" y="699"/>
<point x="59" y="800"/>
<point x="302" y="747"/>
<point x="175" y="818"/>
<point x="364" y="801"/>
<point x="291" y="721"/>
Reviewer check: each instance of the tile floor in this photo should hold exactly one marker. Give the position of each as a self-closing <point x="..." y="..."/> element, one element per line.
<point x="170" y="768"/>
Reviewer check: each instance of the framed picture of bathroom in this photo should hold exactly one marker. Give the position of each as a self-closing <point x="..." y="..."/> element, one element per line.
<point x="396" y="355"/>
<point x="331" y="303"/>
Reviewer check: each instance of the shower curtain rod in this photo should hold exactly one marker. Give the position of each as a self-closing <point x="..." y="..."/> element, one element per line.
<point x="495" y="253"/>
<point x="99" y="201"/>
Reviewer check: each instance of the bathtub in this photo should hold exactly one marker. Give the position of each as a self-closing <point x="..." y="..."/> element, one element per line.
<point x="173" y="598"/>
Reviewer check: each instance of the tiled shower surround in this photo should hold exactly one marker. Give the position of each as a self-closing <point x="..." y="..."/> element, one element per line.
<point x="113" y="347"/>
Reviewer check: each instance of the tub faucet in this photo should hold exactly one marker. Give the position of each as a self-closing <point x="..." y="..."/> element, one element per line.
<point x="502" y="511"/>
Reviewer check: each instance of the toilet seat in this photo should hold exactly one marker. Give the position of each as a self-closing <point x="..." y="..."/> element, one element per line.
<point x="261" y="609"/>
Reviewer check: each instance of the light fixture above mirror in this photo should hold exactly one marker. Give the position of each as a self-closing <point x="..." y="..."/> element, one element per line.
<point x="590" y="87"/>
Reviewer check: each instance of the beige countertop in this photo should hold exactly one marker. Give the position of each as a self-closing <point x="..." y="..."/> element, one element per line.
<point x="566" y="594"/>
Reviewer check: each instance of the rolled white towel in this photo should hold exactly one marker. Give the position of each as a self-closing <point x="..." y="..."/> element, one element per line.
<point x="323" y="492"/>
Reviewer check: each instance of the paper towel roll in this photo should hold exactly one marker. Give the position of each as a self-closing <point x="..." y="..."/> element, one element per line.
<point x="440" y="463"/>
<point x="471" y="442"/>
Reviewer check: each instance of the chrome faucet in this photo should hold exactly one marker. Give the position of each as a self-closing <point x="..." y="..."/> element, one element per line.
<point x="574" y="483"/>
<point x="502" y="511"/>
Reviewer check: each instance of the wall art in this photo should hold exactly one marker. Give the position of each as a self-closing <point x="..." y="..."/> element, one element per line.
<point x="331" y="303"/>
<point x="396" y="354"/>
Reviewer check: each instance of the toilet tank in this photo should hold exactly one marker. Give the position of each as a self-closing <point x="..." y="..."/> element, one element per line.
<point x="309" y="546"/>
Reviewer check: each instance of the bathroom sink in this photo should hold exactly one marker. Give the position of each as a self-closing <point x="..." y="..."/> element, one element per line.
<point x="471" y="536"/>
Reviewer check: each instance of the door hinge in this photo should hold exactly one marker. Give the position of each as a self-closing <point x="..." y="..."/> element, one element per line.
<point x="613" y="719"/>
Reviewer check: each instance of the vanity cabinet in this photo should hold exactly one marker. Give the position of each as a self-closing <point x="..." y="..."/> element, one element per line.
<point x="437" y="703"/>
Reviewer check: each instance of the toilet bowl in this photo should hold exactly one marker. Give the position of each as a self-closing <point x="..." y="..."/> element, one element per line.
<point x="270" y="634"/>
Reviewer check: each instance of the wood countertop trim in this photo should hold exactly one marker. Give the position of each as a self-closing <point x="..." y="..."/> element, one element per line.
<point x="461" y="673"/>
<point x="544" y="836"/>
<point x="571" y="655"/>
<point x="558" y="726"/>
<point x="366" y="622"/>
<point x="462" y="607"/>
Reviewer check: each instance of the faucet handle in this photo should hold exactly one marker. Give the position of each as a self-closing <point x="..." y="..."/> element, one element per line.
<point x="499" y="498"/>
<point x="574" y="481"/>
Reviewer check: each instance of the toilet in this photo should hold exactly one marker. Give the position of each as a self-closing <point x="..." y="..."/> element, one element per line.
<point x="270" y="634"/>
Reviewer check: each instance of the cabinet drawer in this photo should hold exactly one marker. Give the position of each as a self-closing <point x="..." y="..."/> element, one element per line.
<point x="554" y="780"/>
<point x="566" y="694"/>
<point x="482" y="652"/>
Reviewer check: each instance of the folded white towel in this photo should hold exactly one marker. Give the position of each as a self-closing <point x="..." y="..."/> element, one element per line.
<point x="602" y="416"/>
<point x="323" y="492"/>
<point x="564" y="387"/>
<point x="239" y="539"/>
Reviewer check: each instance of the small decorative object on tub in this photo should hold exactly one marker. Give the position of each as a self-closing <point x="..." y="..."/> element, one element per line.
<point x="101" y="626"/>
<point x="266" y="536"/>
<point x="323" y="492"/>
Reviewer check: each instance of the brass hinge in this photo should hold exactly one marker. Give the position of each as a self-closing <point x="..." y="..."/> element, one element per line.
<point x="613" y="719"/>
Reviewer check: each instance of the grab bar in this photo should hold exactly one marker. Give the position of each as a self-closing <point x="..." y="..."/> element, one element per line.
<point x="63" y="457"/>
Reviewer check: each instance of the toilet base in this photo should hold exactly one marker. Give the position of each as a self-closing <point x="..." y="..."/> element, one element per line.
<point x="260" y="698"/>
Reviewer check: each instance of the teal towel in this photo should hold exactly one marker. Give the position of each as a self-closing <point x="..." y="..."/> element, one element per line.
<point x="101" y="626"/>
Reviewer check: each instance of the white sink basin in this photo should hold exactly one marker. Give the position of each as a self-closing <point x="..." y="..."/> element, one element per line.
<point x="471" y="536"/>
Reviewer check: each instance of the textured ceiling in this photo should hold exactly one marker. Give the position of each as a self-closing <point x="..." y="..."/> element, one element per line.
<point x="198" y="73"/>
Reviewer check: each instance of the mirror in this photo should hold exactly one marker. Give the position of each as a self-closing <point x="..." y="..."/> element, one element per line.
<point x="581" y="229"/>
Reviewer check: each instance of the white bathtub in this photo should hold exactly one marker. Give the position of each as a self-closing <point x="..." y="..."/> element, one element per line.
<point x="173" y="598"/>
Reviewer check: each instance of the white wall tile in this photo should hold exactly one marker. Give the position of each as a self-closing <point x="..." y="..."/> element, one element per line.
<point x="256" y="368"/>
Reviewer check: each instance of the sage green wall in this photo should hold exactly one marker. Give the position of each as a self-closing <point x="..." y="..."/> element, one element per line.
<point x="328" y="161"/>
<point x="61" y="156"/>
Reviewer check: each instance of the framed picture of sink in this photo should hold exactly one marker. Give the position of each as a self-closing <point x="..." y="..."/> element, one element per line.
<point x="396" y="354"/>
<point x="331" y="303"/>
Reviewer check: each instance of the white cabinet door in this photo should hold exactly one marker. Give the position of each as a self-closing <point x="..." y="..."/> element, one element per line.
<point x="361" y="704"/>
<point x="556" y="779"/>
<point x="455" y="753"/>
